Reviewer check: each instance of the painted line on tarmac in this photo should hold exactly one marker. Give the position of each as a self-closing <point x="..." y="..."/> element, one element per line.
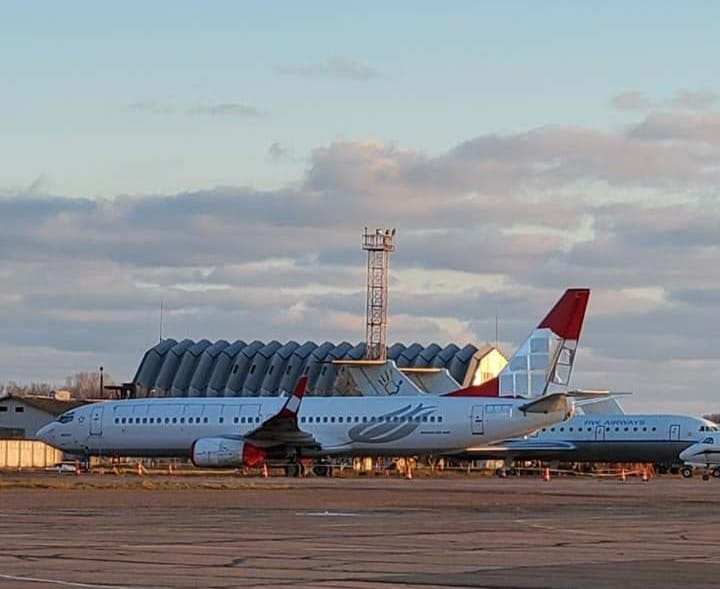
<point x="63" y="583"/>
<point x="327" y="514"/>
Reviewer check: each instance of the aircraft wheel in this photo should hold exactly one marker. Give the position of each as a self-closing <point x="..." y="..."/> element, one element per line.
<point x="716" y="473"/>
<point x="687" y="472"/>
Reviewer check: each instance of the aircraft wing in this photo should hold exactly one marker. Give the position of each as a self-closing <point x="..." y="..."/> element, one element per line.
<point x="282" y="428"/>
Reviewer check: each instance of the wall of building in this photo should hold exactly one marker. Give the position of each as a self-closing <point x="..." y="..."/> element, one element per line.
<point x="16" y="454"/>
<point x="16" y="415"/>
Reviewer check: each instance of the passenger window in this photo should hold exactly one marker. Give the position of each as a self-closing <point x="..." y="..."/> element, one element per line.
<point x="310" y="419"/>
<point x="117" y="420"/>
<point x="340" y="419"/>
<point x="191" y="420"/>
<point x="144" y="419"/>
<point x="167" y="420"/>
<point x="182" y="420"/>
<point x="439" y="417"/>
<point x="424" y="418"/>
<point x="174" y="419"/>
<point x="235" y="420"/>
<point x="634" y="429"/>
<point x="570" y="429"/>
<point x="552" y="429"/>
<point x="562" y="429"/>
<point x="653" y="429"/>
<point x="221" y="419"/>
<point x="242" y="419"/>
<point x="325" y="419"/>
<point x="152" y="420"/>
<point x="123" y="420"/>
<point x="302" y="420"/>
<point x="332" y="419"/>
<point x="257" y="420"/>
<point x="617" y="429"/>
<point x="205" y="419"/>
<point x="364" y="419"/>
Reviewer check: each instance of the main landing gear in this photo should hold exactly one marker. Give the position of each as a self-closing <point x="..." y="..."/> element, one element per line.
<point x="687" y="472"/>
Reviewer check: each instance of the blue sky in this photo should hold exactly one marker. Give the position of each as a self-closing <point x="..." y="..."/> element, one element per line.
<point x="73" y="71"/>
<point x="224" y="156"/>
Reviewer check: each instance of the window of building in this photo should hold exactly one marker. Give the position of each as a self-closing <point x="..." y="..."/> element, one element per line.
<point x="3" y="409"/>
<point x="19" y="409"/>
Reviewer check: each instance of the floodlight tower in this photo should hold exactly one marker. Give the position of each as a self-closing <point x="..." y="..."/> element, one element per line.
<point x="378" y="245"/>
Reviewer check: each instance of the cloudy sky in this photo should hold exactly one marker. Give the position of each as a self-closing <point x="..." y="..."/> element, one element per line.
<point x="224" y="158"/>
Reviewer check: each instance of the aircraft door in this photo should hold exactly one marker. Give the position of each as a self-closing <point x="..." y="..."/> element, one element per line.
<point x="96" y="421"/>
<point x="675" y="432"/>
<point x="478" y="420"/>
<point x="599" y="433"/>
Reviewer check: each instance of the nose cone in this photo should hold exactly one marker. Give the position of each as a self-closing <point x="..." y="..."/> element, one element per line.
<point x="687" y="453"/>
<point x="47" y="434"/>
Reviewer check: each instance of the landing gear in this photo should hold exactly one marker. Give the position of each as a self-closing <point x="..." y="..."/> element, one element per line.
<point x="687" y="471"/>
<point x="293" y="470"/>
<point x="706" y="476"/>
<point x="716" y="473"/>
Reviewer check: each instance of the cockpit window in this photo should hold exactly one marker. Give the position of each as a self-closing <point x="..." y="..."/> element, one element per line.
<point x="66" y="417"/>
<point x="708" y="441"/>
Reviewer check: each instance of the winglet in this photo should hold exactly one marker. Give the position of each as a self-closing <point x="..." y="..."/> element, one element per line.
<point x="566" y="317"/>
<point x="292" y="405"/>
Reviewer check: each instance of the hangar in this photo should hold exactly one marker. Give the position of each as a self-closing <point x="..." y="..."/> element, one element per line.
<point x="203" y="368"/>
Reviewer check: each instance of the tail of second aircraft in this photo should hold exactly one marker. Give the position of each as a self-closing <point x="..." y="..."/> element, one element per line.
<point x="543" y="363"/>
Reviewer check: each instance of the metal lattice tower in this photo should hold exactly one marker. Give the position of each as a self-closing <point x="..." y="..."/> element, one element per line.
<point x="378" y="246"/>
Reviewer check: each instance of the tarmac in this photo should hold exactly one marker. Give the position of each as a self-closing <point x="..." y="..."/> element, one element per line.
<point x="357" y="533"/>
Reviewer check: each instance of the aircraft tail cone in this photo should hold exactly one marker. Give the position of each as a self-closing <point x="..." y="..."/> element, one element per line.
<point x="546" y="475"/>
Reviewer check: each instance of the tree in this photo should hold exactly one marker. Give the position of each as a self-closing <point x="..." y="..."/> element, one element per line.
<point x="86" y="385"/>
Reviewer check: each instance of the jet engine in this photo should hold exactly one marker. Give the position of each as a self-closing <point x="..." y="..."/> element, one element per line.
<point x="225" y="452"/>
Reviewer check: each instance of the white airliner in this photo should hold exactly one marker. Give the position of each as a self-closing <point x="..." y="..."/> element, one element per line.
<point x="229" y="432"/>
<point x="704" y="454"/>
<point x="605" y="438"/>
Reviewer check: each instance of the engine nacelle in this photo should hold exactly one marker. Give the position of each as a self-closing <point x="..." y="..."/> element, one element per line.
<point x="225" y="452"/>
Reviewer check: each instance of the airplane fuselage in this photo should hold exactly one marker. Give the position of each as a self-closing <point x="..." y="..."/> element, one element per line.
<point x="613" y="438"/>
<point x="342" y="425"/>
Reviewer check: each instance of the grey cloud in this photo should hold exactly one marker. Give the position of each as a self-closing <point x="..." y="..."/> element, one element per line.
<point x="335" y="67"/>
<point x="228" y="109"/>
<point x="681" y="126"/>
<point x="631" y="100"/>
<point x="695" y="100"/>
<point x="152" y="107"/>
<point x="83" y="278"/>
<point x="278" y="152"/>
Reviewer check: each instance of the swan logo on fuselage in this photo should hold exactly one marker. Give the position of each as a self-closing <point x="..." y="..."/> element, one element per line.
<point x="391" y="426"/>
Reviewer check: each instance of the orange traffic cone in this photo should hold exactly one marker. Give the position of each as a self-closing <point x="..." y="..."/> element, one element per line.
<point x="265" y="471"/>
<point x="77" y="468"/>
<point x="623" y="478"/>
<point x="645" y="476"/>
<point x="170" y="468"/>
<point x="546" y="475"/>
<point x="139" y="469"/>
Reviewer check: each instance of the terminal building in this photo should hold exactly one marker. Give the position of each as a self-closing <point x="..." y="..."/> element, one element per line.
<point x="203" y="368"/>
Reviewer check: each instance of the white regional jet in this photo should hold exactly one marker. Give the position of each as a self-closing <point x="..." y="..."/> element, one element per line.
<point x="232" y="432"/>
<point x="705" y="453"/>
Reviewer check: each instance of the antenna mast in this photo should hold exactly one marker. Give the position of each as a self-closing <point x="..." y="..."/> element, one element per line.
<point x="378" y="245"/>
